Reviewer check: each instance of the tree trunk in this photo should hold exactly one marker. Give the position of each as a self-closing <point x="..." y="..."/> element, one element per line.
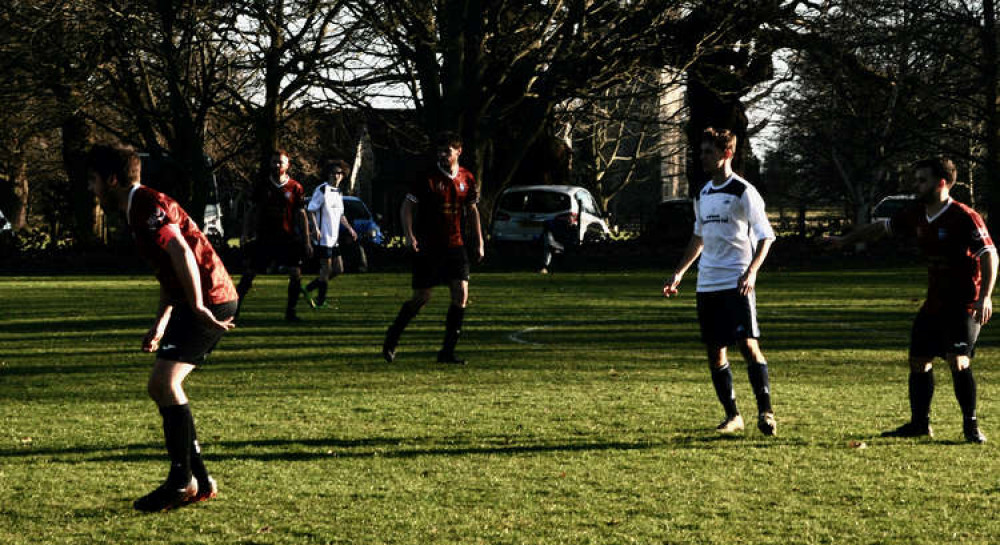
<point x="75" y="140"/>
<point x="991" y="114"/>
<point x="20" y="179"/>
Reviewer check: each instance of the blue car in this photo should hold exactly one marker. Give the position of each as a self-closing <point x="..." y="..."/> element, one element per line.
<point x="368" y="230"/>
<point x="362" y="221"/>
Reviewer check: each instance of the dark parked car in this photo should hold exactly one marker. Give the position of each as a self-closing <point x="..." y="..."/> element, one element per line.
<point x="672" y="224"/>
<point x="369" y="235"/>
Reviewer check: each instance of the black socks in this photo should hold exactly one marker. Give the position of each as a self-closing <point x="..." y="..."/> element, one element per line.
<point x="178" y="433"/>
<point x="921" y="386"/>
<point x="761" y="385"/>
<point x="452" y="329"/>
<point x="965" y="392"/>
<point x="722" y="379"/>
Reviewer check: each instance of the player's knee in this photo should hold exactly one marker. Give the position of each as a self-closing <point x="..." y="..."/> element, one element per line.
<point x="959" y="363"/>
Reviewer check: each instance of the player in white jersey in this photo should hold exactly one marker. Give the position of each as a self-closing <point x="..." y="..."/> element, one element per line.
<point x="732" y="235"/>
<point x="327" y="209"/>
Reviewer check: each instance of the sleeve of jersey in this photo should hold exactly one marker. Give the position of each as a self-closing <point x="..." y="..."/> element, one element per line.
<point x="317" y="200"/>
<point x="163" y="228"/>
<point x="981" y="240"/>
<point x="697" y="218"/>
<point x="473" y="196"/>
<point x="757" y="215"/>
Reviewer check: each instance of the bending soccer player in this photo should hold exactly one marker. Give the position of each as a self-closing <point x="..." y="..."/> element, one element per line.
<point x="732" y="235"/>
<point x="961" y="275"/>
<point x="197" y="303"/>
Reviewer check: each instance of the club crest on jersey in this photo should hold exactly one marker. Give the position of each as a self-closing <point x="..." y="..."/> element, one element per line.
<point x="461" y="186"/>
<point x="157" y="220"/>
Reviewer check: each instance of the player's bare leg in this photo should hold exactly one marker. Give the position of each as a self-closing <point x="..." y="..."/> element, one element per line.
<point x="165" y="387"/>
<point x="722" y="380"/>
<point x="757" y="372"/>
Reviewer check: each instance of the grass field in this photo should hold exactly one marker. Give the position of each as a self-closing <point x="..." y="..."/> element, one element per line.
<point x="585" y="416"/>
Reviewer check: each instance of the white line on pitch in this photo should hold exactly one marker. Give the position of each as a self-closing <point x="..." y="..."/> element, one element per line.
<point x="516" y="337"/>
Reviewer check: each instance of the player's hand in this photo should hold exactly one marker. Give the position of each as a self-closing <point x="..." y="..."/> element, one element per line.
<point x="354" y="235"/>
<point x="747" y="282"/>
<point x="983" y="310"/>
<point x="480" y="253"/>
<point x="307" y="249"/>
<point x="411" y="243"/>
<point x="206" y="317"/>
<point x="151" y="342"/>
<point x="670" y="287"/>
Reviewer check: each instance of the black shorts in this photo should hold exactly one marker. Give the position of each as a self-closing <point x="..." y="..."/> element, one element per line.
<point x="434" y="268"/>
<point x="327" y="252"/>
<point x="285" y="252"/>
<point x="726" y="317"/>
<point x="946" y="331"/>
<point x="186" y="339"/>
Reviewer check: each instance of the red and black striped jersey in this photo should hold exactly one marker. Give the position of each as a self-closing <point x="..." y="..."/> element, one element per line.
<point x="154" y="220"/>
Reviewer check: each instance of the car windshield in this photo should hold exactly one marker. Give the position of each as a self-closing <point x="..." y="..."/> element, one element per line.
<point x="355" y="210"/>
<point x="536" y="202"/>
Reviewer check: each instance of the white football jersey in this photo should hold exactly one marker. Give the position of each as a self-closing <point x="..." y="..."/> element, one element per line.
<point x="731" y="220"/>
<point x="327" y="207"/>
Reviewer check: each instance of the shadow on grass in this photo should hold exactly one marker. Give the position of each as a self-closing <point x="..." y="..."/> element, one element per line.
<point x="285" y="449"/>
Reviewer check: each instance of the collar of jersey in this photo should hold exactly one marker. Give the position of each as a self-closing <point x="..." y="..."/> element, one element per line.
<point x="712" y="186"/>
<point x="128" y="210"/>
<point x="446" y="173"/>
<point x="938" y="215"/>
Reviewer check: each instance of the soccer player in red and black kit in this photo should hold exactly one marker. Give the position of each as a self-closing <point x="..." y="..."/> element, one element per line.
<point x="197" y="303"/>
<point x="441" y="199"/>
<point x="278" y="217"/>
<point x="961" y="273"/>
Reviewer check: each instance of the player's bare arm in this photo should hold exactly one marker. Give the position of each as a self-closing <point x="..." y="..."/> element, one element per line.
<point x="350" y="230"/>
<point x="988" y="269"/>
<point x="865" y="233"/>
<point x="406" y="214"/>
<point x="691" y="253"/>
<point x="306" y="233"/>
<point x="749" y="278"/>
<point x="151" y="342"/>
<point x="477" y="227"/>
<point x="186" y="267"/>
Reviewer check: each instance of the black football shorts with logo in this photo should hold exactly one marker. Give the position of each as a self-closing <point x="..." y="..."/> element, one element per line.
<point x="726" y="317"/>
<point x="947" y="330"/>
<point x="186" y="339"/>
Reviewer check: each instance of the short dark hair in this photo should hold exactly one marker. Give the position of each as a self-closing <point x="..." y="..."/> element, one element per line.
<point x="335" y="163"/>
<point x="941" y="167"/>
<point x="121" y="161"/>
<point x="722" y="139"/>
<point x="449" y="139"/>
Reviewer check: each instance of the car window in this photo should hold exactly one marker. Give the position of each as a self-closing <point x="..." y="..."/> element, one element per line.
<point x="536" y="202"/>
<point x="587" y="203"/>
<point x="355" y="210"/>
